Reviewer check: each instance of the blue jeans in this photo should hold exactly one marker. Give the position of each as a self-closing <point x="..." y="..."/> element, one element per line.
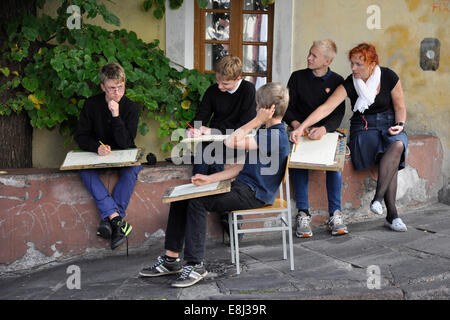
<point x="118" y="201"/>
<point x="300" y="180"/>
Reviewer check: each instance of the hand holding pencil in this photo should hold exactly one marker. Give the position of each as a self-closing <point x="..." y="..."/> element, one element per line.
<point x="194" y="133"/>
<point x="103" y="150"/>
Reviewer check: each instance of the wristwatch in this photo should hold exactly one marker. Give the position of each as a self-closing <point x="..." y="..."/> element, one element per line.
<point x="401" y="124"/>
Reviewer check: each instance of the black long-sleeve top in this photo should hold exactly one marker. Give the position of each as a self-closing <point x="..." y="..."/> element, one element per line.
<point x="96" y="123"/>
<point x="307" y="92"/>
<point x="224" y="110"/>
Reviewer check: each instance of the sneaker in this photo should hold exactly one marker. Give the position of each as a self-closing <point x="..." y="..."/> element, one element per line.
<point x="120" y="231"/>
<point x="190" y="275"/>
<point x="104" y="229"/>
<point x="376" y="207"/>
<point x="162" y="267"/>
<point x="396" y="225"/>
<point x="303" y="230"/>
<point x="336" y="224"/>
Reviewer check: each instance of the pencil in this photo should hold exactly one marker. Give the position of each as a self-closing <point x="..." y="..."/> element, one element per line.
<point x="105" y="146"/>
<point x="295" y="149"/>
<point x="189" y="125"/>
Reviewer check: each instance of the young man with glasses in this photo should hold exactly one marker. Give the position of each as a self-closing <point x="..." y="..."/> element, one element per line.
<point x="109" y="121"/>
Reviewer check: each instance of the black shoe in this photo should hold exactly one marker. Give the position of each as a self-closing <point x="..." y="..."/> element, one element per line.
<point x="226" y="227"/>
<point x="120" y="230"/>
<point x="104" y="229"/>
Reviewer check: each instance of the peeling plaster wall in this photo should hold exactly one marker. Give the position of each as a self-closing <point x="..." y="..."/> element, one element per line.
<point x="404" y="24"/>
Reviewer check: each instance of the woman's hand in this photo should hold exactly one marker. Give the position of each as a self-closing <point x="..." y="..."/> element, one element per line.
<point x="395" y="130"/>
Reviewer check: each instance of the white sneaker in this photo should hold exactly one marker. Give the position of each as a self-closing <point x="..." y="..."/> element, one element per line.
<point x="397" y="225"/>
<point x="376" y="207"/>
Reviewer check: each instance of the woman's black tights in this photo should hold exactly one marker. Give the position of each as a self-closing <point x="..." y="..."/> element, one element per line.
<point x="387" y="179"/>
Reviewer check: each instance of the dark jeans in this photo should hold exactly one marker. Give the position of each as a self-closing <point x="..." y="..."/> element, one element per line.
<point x="187" y="222"/>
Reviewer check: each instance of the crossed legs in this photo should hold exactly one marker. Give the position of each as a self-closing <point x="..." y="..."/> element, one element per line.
<point x="387" y="179"/>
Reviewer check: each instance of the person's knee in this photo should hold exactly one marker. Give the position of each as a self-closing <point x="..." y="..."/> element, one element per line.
<point x="397" y="147"/>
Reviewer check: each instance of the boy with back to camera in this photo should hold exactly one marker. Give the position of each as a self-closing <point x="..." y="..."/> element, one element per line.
<point x="256" y="185"/>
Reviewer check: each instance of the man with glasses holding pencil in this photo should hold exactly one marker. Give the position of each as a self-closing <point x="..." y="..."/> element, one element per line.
<point x="109" y="121"/>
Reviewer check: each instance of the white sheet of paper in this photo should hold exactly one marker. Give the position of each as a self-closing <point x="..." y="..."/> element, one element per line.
<point x="77" y="158"/>
<point x="316" y="151"/>
<point x="192" y="188"/>
<point x="213" y="137"/>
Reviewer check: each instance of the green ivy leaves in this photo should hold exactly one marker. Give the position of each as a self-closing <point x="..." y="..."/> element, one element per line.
<point x="53" y="81"/>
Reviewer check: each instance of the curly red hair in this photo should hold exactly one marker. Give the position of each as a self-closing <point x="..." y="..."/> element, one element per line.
<point x="368" y="52"/>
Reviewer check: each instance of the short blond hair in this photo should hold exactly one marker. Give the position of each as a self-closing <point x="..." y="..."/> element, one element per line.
<point x="329" y="46"/>
<point x="273" y="93"/>
<point x="112" y="71"/>
<point x="229" y="68"/>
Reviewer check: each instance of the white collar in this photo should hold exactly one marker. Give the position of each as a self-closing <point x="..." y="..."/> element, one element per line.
<point x="237" y="87"/>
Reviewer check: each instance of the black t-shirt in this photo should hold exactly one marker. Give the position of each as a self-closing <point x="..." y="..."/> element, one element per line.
<point x="307" y="92"/>
<point x="224" y="110"/>
<point x="383" y="100"/>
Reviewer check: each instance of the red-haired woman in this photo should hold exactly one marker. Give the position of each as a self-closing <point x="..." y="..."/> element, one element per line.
<point x="376" y="128"/>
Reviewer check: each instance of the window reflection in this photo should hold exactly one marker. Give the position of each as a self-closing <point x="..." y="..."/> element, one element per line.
<point x="217" y="26"/>
<point x="213" y="53"/>
<point x="254" y="5"/>
<point x="218" y="4"/>
<point x="255" y="59"/>
<point x="255" y="27"/>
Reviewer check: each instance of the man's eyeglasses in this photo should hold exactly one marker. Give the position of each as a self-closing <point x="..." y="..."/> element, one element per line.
<point x="118" y="88"/>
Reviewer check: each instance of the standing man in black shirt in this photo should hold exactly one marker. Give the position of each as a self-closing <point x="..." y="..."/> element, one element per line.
<point x="226" y="105"/>
<point x="109" y="121"/>
<point x="308" y="89"/>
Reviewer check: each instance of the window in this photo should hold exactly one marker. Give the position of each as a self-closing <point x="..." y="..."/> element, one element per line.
<point x="239" y="27"/>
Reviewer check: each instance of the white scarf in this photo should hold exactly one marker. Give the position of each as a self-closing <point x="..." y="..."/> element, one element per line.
<point x="367" y="91"/>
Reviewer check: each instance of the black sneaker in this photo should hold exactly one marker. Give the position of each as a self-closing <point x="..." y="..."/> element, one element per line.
<point x="162" y="267"/>
<point x="104" y="229"/>
<point x="120" y="231"/>
<point x="190" y="275"/>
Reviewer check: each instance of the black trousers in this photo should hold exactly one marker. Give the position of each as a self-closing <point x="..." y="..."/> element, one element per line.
<point x="187" y="222"/>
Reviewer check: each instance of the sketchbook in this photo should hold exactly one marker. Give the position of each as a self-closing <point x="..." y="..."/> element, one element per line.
<point x="190" y="190"/>
<point x="86" y="160"/>
<point x="328" y="153"/>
